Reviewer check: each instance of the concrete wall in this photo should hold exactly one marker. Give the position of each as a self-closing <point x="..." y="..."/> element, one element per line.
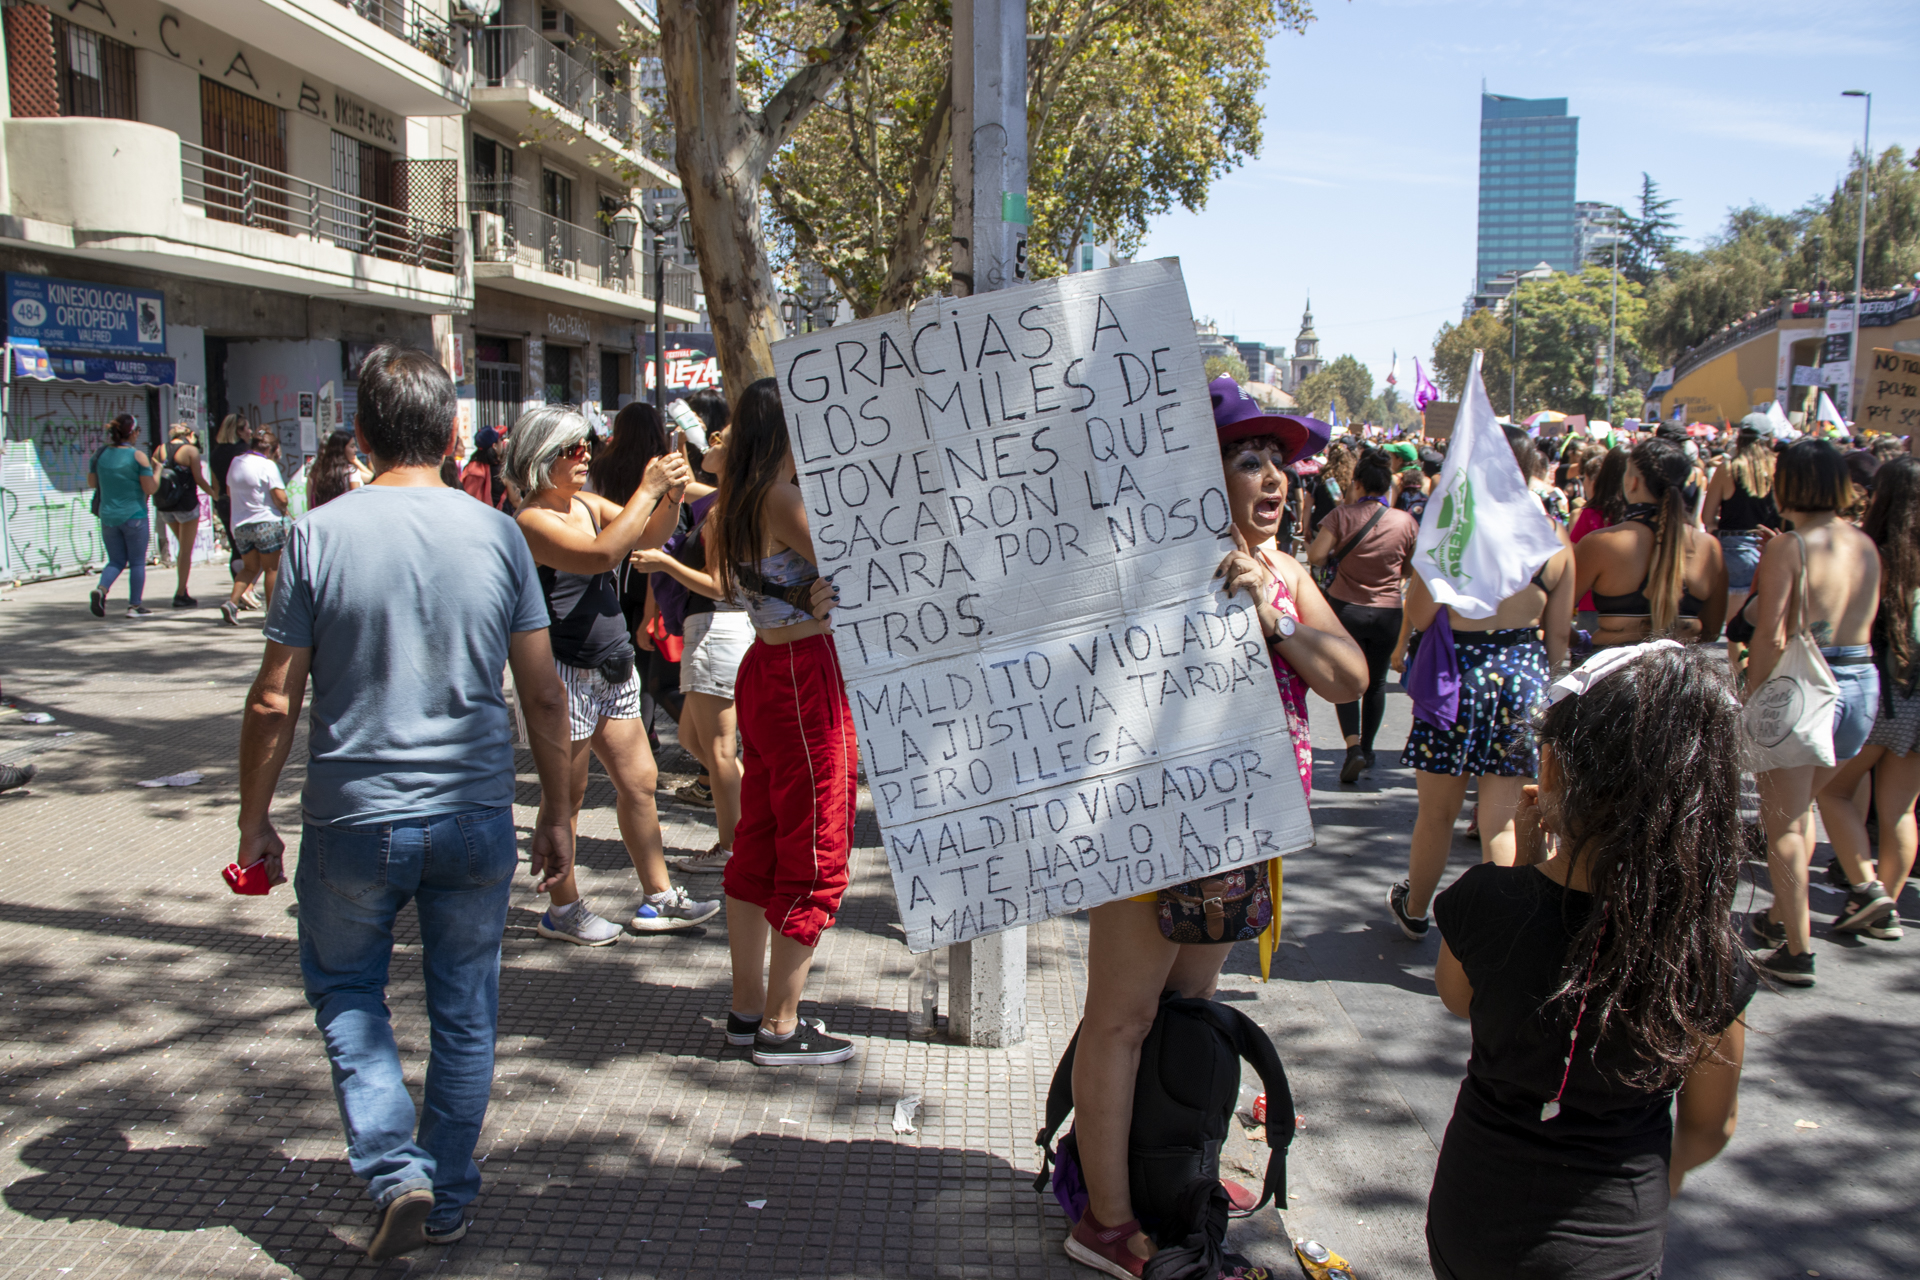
<point x="167" y="94"/>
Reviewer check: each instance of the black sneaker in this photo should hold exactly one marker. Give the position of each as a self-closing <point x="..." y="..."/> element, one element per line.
<point x="1784" y="966"/>
<point x="1888" y="930"/>
<point x="1350" y="769"/>
<point x="1767" y="931"/>
<point x="1865" y="908"/>
<point x="809" y="1045"/>
<point x="740" y="1031"/>
<point x="15" y="775"/>
<point x="449" y="1236"/>
<point x="182" y="600"/>
<point x="97" y="603"/>
<point x="1415" y="927"/>
<point x="1369" y="767"/>
<point x="1837" y="876"/>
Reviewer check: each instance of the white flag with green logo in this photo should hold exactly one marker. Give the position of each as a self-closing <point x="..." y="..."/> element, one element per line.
<point x="1484" y="535"/>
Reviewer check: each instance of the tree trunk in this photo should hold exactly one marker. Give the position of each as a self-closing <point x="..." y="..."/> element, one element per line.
<point x="717" y="150"/>
<point x="911" y="251"/>
<point x="722" y="151"/>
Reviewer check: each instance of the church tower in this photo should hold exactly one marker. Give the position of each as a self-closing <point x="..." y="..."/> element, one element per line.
<point x="1306" y="351"/>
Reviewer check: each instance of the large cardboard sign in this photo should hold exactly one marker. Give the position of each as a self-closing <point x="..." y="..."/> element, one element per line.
<point x="1891" y="401"/>
<point x="1020" y="499"/>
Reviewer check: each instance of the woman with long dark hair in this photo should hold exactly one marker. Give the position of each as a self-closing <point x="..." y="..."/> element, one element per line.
<point x="229" y="442"/>
<point x="124" y="475"/>
<point x="1370" y="544"/>
<point x="1605" y="985"/>
<point x="336" y="470"/>
<point x="801" y="785"/>
<point x="1892" y="753"/>
<point x="1840" y="567"/>
<point x="1654" y="574"/>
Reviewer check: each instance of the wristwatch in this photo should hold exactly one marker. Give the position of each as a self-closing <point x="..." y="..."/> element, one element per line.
<point x="1283" y="629"/>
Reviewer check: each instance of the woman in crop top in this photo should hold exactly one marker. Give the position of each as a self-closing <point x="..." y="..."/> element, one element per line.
<point x="1842" y="598"/>
<point x="800" y="786"/>
<point x="578" y="539"/>
<point x="1741" y="513"/>
<point x="1654" y="574"/>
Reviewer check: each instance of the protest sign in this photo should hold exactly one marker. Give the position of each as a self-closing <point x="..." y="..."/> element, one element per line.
<point x="1891" y="398"/>
<point x="1020" y="499"/>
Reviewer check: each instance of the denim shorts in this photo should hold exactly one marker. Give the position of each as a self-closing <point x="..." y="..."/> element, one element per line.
<point x="1859" y="701"/>
<point x="1741" y="550"/>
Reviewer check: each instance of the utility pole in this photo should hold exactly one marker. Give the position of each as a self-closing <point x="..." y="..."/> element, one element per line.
<point x="1513" y="360"/>
<point x="1613" y="319"/>
<point x="1860" y="248"/>
<point x="987" y="977"/>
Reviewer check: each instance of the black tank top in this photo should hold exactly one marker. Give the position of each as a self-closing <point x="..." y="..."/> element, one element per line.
<point x="585" y="624"/>
<point x="1743" y="512"/>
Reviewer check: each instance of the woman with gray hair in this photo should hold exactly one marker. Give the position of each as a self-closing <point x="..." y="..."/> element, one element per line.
<point x="578" y="539"/>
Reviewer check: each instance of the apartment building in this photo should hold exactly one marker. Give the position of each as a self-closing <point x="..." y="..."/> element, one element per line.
<point x="560" y="139"/>
<point x="214" y="206"/>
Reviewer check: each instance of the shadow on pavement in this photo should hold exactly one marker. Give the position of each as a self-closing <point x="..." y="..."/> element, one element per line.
<point x="781" y="1206"/>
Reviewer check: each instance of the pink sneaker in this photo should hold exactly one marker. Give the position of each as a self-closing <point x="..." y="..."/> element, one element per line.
<point x="1105" y="1248"/>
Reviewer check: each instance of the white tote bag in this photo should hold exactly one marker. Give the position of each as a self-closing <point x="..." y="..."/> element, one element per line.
<point x="1790" y="717"/>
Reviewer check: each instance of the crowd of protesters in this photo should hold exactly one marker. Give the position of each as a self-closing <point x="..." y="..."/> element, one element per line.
<point x="613" y="569"/>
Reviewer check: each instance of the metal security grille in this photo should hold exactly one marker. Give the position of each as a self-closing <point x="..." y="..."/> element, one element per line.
<point x="239" y="133"/>
<point x="428" y="190"/>
<point x="96" y="76"/>
<point x="32" y="75"/>
<point x="497" y="400"/>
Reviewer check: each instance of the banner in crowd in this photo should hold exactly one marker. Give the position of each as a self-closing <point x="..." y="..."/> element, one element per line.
<point x="1020" y="499"/>
<point x="1484" y="535"/>
<point x="1891" y="399"/>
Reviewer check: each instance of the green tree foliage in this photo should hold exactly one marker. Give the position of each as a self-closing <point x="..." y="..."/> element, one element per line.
<point x="1229" y="364"/>
<point x="1453" y="349"/>
<point x="1758" y="256"/>
<point x="1133" y="106"/>
<point x="1648" y="237"/>
<point x="1563" y="348"/>
<point x="1342" y="388"/>
<point x="1388" y="410"/>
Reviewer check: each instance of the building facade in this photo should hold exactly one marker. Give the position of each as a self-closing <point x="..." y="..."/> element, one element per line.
<point x="1529" y="152"/>
<point x="1595" y="228"/>
<point x="560" y="139"/>
<point x="219" y="206"/>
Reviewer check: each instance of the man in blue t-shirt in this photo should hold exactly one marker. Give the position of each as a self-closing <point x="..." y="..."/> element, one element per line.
<point x="410" y="779"/>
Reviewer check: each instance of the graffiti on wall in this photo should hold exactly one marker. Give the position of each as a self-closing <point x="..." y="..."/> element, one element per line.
<point x="52" y="432"/>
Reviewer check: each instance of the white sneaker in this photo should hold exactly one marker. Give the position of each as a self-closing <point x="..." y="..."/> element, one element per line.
<point x="671" y="910"/>
<point x="576" y="924"/>
<point x="712" y="862"/>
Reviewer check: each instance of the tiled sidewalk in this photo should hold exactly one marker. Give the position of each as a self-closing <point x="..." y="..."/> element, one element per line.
<point x="165" y="1104"/>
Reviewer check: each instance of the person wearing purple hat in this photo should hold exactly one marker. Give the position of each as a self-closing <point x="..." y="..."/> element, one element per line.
<point x="1135" y="951"/>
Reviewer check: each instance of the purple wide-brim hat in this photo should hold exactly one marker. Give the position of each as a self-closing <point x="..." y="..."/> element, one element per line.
<point x="1238" y="416"/>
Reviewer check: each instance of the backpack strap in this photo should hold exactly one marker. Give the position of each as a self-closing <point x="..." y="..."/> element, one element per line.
<point x="1059" y="1102"/>
<point x="1254" y="1046"/>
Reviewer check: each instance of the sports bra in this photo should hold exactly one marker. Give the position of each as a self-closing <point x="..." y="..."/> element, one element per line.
<point x="1634" y="604"/>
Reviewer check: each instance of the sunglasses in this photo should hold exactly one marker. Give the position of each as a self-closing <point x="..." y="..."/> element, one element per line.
<point x="575" y="452"/>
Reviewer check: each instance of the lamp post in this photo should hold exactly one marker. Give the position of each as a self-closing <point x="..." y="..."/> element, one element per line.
<point x="1513" y="358"/>
<point x="802" y="301"/>
<point x="1860" y="246"/>
<point x="664" y="218"/>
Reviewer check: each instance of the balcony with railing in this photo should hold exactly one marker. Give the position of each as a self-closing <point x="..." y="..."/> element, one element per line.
<point x="420" y="26"/>
<point x="518" y="69"/>
<point x="228" y="189"/>
<point x="530" y="251"/>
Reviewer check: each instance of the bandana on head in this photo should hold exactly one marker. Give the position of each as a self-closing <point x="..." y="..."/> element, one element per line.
<point x="1600" y="666"/>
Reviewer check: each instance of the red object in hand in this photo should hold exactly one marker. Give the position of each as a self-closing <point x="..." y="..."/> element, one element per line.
<point x="253" y="881"/>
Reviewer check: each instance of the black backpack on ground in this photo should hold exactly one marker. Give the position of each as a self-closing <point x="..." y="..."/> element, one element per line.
<point x="175" y="492"/>
<point x="1183" y="1101"/>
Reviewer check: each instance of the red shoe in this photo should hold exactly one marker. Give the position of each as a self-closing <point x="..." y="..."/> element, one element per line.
<point x="1105" y="1248"/>
<point x="1473" y="824"/>
<point x="1240" y="1199"/>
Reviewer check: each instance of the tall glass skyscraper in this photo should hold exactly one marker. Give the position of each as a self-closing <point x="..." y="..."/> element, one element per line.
<point x="1529" y="148"/>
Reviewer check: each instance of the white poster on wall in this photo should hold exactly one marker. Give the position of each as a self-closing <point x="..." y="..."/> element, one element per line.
<point x="1020" y="499"/>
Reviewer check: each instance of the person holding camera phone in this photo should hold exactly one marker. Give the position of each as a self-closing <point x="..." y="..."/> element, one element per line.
<point x="578" y="539"/>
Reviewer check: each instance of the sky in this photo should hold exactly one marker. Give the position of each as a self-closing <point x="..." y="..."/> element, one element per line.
<point x="1366" y="187"/>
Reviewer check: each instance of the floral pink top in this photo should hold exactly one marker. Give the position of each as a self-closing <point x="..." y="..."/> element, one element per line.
<point x="1293" y="690"/>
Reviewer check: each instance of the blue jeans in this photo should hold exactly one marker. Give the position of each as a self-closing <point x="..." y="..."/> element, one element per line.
<point x="351" y="883"/>
<point x="126" y="549"/>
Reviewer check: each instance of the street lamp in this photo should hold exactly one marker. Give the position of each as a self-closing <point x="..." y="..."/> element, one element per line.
<point x="1860" y="250"/>
<point x="664" y="218"/>
<point x="802" y="302"/>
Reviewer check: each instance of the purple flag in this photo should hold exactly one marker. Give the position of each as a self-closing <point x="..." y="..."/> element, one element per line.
<point x="1424" y="392"/>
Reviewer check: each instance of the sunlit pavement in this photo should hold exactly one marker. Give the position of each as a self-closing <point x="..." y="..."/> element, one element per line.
<point x="166" y="1111"/>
